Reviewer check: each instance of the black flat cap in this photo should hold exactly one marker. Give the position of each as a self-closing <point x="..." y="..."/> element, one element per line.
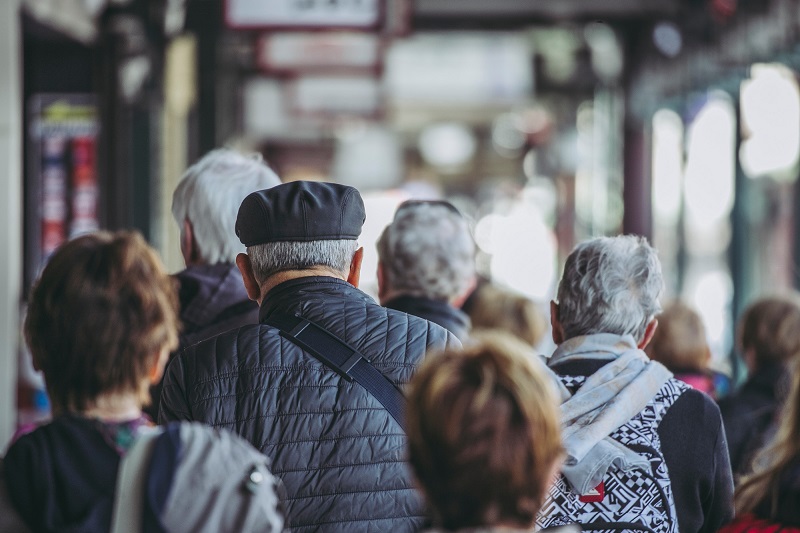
<point x="301" y="211"/>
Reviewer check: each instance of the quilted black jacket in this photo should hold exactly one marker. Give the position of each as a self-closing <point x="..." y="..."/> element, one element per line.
<point x="338" y="451"/>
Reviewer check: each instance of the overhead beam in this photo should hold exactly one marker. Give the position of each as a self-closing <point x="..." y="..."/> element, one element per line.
<point x="544" y="10"/>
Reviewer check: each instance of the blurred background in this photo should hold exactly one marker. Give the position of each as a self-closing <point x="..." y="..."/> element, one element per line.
<point x="546" y="122"/>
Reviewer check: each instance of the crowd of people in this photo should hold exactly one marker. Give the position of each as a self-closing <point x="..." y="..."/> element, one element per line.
<point x="260" y="389"/>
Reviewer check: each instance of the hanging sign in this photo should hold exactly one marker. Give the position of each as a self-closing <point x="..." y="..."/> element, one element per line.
<point x="336" y="95"/>
<point x="289" y="52"/>
<point x="303" y="14"/>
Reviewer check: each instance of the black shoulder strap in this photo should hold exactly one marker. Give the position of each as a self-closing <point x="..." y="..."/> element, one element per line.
<point x="342" y="358"/>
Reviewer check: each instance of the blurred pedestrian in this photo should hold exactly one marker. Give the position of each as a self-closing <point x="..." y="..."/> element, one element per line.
<point x="484" y="435"/>
<point x="101" y="323"/>
<point x="769" y="339"/>
<point x="767" y="498"/>
<point x="426" y="264"/>
<point x="205" y="203"/>
<point x="680" y="344"/>
<point x="211" y="293"/>
<point x="494" y="307"/>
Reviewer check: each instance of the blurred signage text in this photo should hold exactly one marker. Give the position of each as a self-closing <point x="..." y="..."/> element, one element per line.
<point x="298" y="14"/>
<point x="314" y="51"/>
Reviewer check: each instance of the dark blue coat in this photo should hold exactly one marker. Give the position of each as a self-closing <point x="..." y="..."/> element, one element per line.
<point x="338" y="451"/>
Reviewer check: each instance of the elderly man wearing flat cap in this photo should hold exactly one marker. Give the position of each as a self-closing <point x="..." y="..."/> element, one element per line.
<point x="315" y="384"/>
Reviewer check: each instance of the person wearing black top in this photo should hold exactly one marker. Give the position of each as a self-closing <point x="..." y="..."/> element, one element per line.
<point x="426" y="264"/>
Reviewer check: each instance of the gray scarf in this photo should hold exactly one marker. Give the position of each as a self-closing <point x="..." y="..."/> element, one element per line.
<point x="608" y="399"/>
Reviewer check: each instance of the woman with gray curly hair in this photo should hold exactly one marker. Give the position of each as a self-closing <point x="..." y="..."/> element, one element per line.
<point x="642" y="447"/>
<point x="427" y="264"/>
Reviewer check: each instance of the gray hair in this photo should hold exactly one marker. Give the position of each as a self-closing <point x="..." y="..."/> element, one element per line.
<point x="273" y="257"/>
<point x="209" y="195"/>
<point x="427" y="251"/>
<point x="610" y="285"/>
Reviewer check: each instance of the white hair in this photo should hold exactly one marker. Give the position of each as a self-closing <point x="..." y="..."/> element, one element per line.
<point x="209" y="195"/>
<point x="272" y="257"/>
<point x="427" y="251"/>
<point x="610" y="285"/>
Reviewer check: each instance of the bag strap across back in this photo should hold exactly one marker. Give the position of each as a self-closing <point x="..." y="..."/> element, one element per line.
<point x="342" y="358"/>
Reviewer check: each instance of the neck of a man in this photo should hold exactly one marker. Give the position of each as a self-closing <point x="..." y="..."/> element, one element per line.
<point x="287" y="275"/>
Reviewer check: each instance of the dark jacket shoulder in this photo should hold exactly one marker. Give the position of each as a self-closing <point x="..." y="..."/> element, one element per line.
<point x="328" y="438"/>
<point x="213" y="300"/>
<point x="696" y="451"/>
<point x="453" y="320"/>
<point x="750" y="412"/>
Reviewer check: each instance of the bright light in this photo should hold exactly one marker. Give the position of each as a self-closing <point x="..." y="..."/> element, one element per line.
<point x="710" y="170"/>
<point x="448" y="144"/>
<point x="667" y="38"/>
<point x="711" y="294"/>
<point x="770" y="105"/>
<point x="522" y="248"/>
<point x="667" y="166"/>
<point x="380" y="207"/>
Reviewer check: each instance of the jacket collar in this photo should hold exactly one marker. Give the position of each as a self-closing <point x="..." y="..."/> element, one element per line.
<point x="218" y="287"/>
<point x="285" y="296"/>
<point x="441" y="313"/>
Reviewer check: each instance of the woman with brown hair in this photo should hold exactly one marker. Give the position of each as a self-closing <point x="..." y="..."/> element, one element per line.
<point x="101" y="323"/>
<point x="484" y="435"/>
<point x="769" y="340"/>
<point x="768" y="499"/>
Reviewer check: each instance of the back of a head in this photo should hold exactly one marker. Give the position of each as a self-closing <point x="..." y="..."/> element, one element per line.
<point x="494" y="307"/>
<point x="770" y="329"/>
<point x="427" y="251"/>
<point x="209" y="195"/>
<point x="679" y="342"/>
<point x="99" y="315"/>
<point x="610" y="285"/>
<point x="484" y="434"/>
<point x="301" y="225"/>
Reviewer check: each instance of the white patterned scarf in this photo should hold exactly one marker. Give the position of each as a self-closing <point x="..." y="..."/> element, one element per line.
<point x="608" y="399"/>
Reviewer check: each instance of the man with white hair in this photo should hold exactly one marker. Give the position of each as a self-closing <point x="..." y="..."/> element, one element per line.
<point x="426" y="264"/>
<point x="210" y="290"/>
<point x="205" y="203"/>
<point x="644" y="451"/>
<point x="316" y="384"/>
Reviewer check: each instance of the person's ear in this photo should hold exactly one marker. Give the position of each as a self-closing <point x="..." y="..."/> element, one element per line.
<point x="555" y="323"/>
<point x="251" y="285"/>
<point x="159" y="364"/>
<point x="649" y="331"/>
<point x="354" y="276"/>
<point x="189" y="249"/>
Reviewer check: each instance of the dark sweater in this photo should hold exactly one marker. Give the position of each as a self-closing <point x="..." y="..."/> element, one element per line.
<point x="61" y="477"/>
<point x="213" y="300"/>
<point x="694" y="448"/>
<point x="750" y="413"/>
<point x="453" y="320"/>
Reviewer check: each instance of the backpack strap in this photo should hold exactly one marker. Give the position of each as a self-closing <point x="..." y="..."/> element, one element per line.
<point x="342" y="358"/>
<point x="126" y="515"/>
